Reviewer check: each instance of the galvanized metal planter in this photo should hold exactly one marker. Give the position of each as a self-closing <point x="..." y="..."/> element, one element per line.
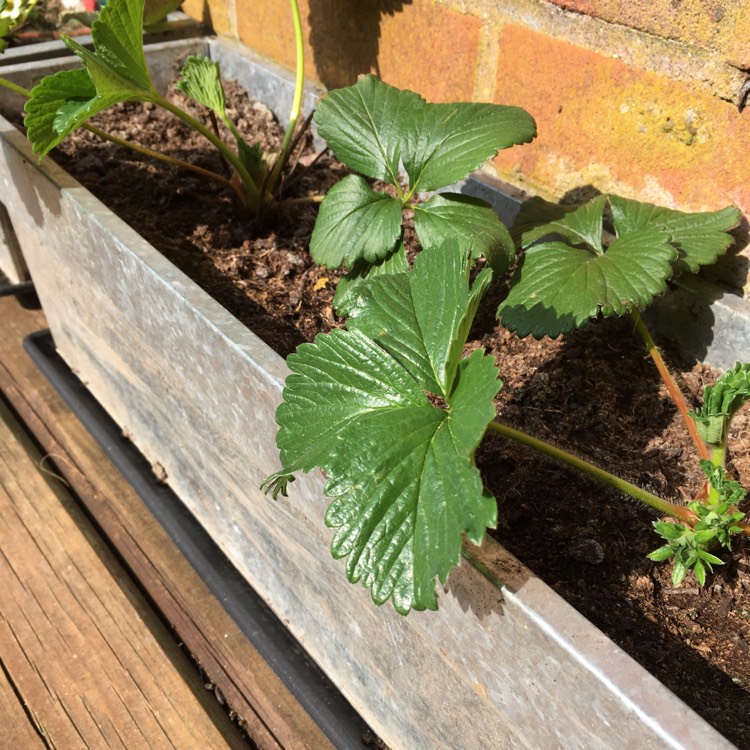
<point x="505" y="663"/>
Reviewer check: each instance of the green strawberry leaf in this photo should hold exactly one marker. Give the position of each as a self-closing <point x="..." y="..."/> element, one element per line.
<point x="115" y="72"/>
<point x="355" y="222"/>
<point x="446" y="216"/>
<point x="562" y="284"/>
<point x="118" y="62"/>
<point x="423" y="318"/>
<point x="581" y="226"/>
<point x="372" y="127"/>
<point x="533" y="213"/>
<point x="720" y="403"/>
<point x="201" y="81"/>
<point x="407" y="491"/>
<point x="700" y="238"/>
<point x="363" y="125"/>
<point x="444" y="142"/>
<point x="560" y="287"/>
<point x="400" y="468"/>
<point x="346" y="301"/>
<point x="59" y="104"/>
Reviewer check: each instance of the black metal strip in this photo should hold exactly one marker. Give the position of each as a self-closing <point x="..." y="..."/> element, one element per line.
<point x="315" y="692"/>
<point x="7" y="288"/>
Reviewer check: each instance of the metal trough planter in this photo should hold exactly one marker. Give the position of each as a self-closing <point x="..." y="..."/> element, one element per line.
<point x="505" y="663"/>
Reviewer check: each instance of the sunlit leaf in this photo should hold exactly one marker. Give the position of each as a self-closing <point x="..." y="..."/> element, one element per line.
<point x="366" y="409"/>
<point x="355" y="222"/>
<point x="372" y="127"/>
<point x="472" y="221"/>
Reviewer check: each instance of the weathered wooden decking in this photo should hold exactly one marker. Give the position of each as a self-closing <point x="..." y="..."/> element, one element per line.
<point x="86" y="659"/>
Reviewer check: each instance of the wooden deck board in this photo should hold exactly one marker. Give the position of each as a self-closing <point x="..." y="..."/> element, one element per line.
<point x="93" y="664"/>
<point x="270" y="713"/>
<point x="17" y="730"/>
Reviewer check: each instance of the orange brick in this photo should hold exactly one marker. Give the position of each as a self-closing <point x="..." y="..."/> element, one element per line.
<point x="417" y="45"/>
<point x="706" y="23"/>
<point x="432" y="50"/>
<point x="266" y="25"/>
<point x="621" y="130"/>
<point x="213" y="13"/>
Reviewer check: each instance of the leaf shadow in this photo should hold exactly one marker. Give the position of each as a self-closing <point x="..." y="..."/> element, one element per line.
<point x="345" y="37"/>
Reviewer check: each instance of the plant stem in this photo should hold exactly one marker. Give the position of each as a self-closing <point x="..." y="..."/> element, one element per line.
<point x="663" y="506"/>
<point x="299" y="84"/>
<point x="670" y="383"/>
<point x="15" y="87"/>
<point x="161" y="157"/>
<point x="253" y="194"/>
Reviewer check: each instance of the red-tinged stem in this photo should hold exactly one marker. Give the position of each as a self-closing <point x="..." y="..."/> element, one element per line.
<point x="672" y="388"/>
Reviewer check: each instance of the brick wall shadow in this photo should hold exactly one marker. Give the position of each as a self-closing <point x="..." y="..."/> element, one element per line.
<point x="345" y="37"/>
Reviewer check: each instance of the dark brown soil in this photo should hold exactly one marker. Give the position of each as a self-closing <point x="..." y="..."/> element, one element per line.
<point x="595" y="392"/>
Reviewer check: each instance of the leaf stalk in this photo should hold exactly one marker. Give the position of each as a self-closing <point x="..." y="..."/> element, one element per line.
<point x="15" y="87"/>
<point x="161" y="157"/>
<point x="663" y="506"/>
<point x="671" y="385"/>
<point x="299" y="86"/>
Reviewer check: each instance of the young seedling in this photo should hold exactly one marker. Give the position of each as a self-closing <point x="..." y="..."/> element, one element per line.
<point x="116" y="72"/>
<point x="374" y="129"/>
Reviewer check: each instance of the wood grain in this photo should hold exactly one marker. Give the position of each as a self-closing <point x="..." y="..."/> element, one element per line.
<point x="18" y="731"/>
<point x="271" y="715"/>
<point x="93" y="664"/>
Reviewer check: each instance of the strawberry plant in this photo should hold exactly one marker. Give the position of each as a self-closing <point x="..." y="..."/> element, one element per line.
<point x="374" y="128"/>
<point x="392" y="411"/>
<point x="115" y="71"/>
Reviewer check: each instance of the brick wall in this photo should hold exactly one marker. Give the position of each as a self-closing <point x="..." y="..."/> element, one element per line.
<point x="637" y="97"/>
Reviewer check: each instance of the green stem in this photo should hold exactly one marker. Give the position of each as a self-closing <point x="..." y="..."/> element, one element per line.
<point x="15" y="87"/>
<point x="299" y="87"/>
<point x="672" y="388"/>
<point x="253" y="194"/>
<point x="663" y="506"/>
<point x="161" y="157"/>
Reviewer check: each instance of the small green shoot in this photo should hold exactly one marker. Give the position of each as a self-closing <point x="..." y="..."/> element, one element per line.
<point x="690" y="546"/>
<point x="720" y="404"/>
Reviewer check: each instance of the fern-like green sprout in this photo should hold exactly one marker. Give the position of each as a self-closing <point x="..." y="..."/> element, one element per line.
<point x="718" y="521"/>
<point x="720" y="404"/>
